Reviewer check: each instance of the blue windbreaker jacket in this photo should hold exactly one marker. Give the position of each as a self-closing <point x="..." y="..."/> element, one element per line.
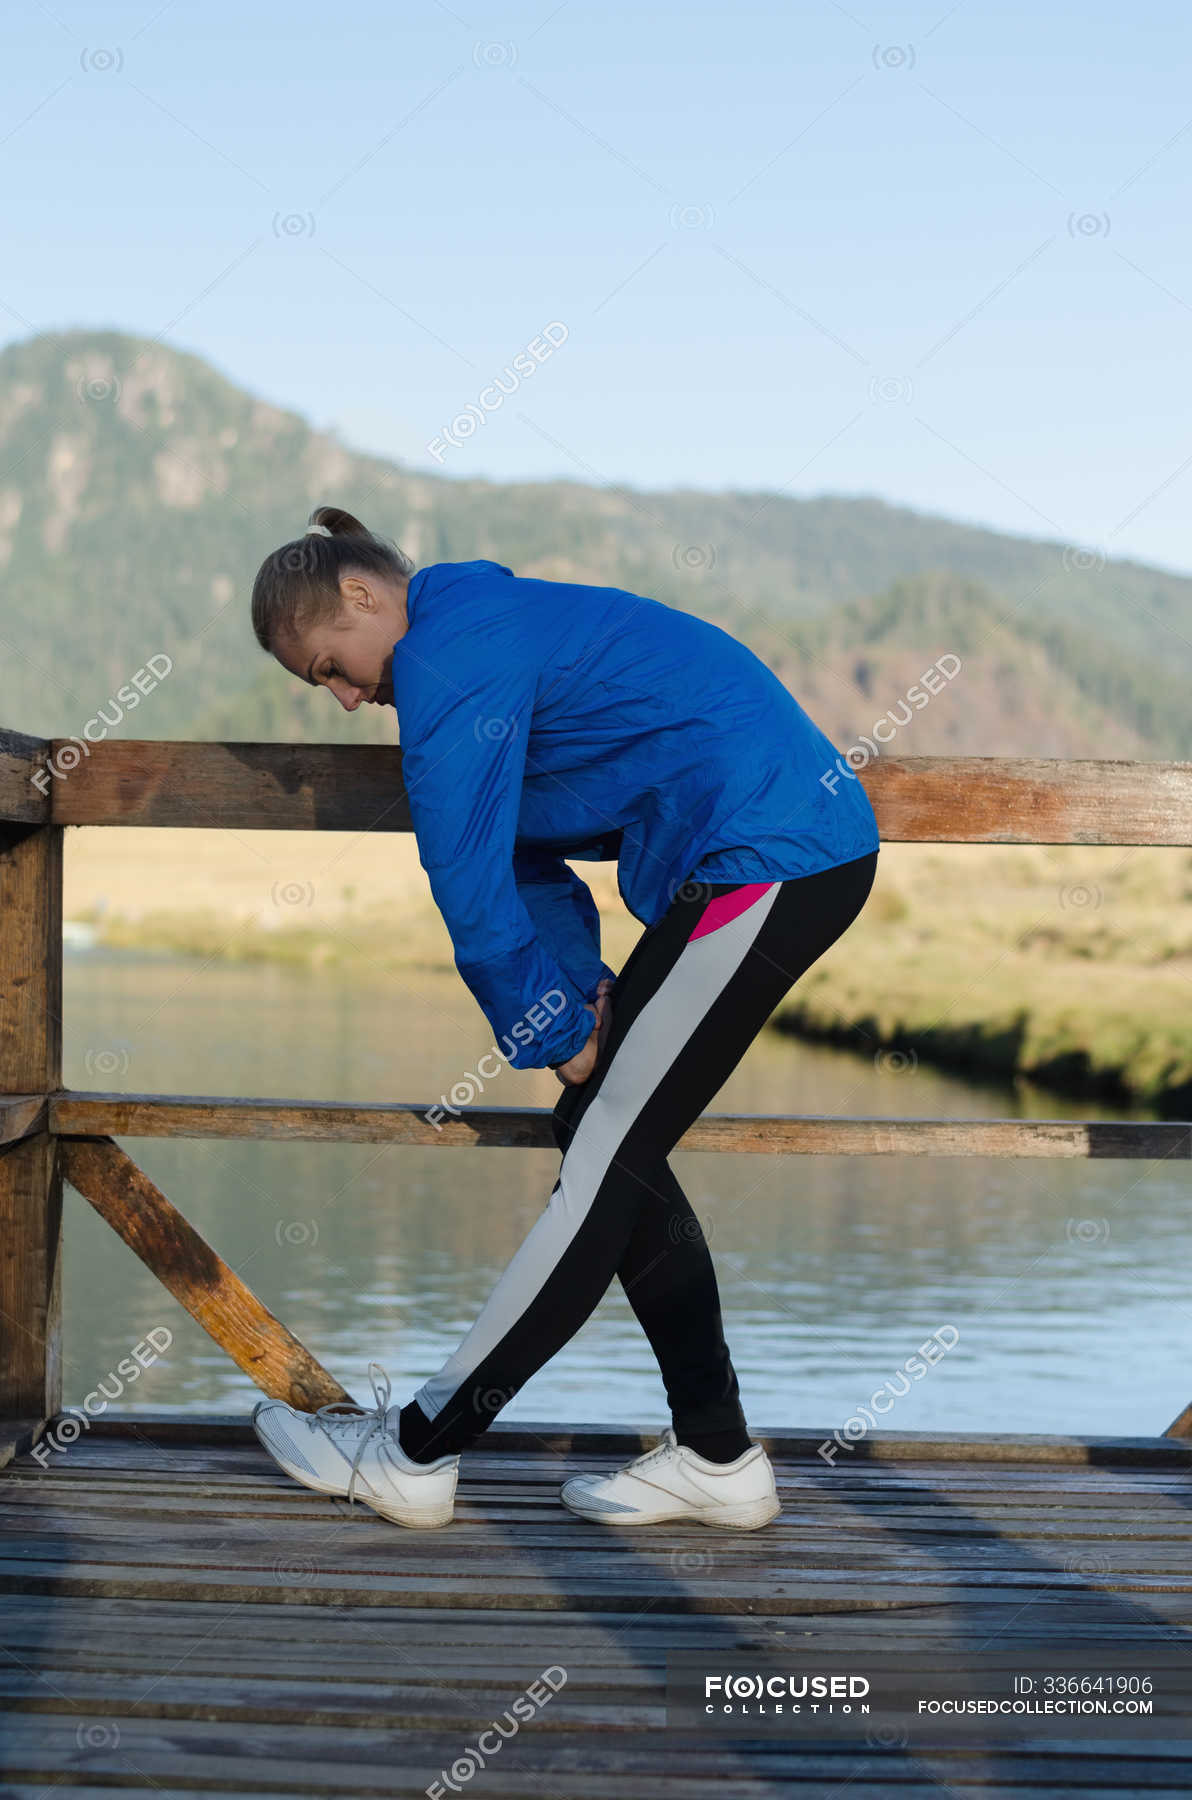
<point x="543" y="719"/>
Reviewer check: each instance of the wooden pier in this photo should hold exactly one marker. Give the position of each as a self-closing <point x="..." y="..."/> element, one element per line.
<point x="179" y="1617"/>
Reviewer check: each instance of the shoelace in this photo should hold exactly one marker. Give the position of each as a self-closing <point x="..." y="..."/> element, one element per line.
<point x="669" y="1443"/>
<point x="338" y="1412"/>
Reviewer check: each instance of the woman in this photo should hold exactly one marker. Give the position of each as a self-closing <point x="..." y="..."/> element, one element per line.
<point x="539" y="721"/>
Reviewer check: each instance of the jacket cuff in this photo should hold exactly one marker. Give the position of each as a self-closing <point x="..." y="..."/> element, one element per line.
<point x="589" y="1025"/>
<point x="552" y="1027"/>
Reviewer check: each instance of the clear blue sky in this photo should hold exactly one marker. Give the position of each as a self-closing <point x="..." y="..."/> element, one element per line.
<point x="934" y="253"/>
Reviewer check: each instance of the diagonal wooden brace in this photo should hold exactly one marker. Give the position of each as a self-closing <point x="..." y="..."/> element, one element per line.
<point x="184" y="1262"/>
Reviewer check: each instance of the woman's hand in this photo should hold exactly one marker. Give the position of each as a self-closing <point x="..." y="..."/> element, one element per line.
<point x="580" y="1066"/>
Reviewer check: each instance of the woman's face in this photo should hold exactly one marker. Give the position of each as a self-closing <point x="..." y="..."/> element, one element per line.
<point x="351" y="653"/>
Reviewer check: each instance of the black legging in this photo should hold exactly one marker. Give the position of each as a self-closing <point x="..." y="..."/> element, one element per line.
<point x="696" y="989"/>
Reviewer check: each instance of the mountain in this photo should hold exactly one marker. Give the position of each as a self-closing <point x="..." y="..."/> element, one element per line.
<point x="1019" y="686"/>
<point x="139" y="490"/>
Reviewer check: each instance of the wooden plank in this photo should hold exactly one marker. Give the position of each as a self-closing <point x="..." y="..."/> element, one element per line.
<point x="586" y="1781"/>
<point x="358" y="787"/>
<point x="257" y="1493"/>
<point x="30" y="1279"/>
<point x="546" y="1531"/>
<point x="30" y="1064"/>
<point x="74" y="1645"/>
<point x="24" y="801"/>
<point x="546" y="1761"/>
<point x="1030" y="800"/>
<point x="461" y="1667"/>
<point x="183" y="1115"/>
<point x="30" y="959"/>
<point x="548" y="1543"/>
<point x="120" y="1435"/>
<point x="375" y="1583"/>
<point x="530" y="1558"/>
<point x="160" y="1631"/>
<point x="75" y="1112"/>
<point x="114" y="1461"/>
<point x="1091" y="1517"/>
<point x="259" y="787"/>
<point x="410" y="1704"/>
<point x="21" y="1115"/>
<point x="186" y="1264"/>
<point x="402" y="1702"/>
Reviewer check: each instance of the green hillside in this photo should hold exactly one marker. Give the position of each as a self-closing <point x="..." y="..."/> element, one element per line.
<point x="141" y="488"/>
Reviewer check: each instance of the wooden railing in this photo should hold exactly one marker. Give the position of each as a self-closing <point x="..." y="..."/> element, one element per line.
<point x="48" y="1133"/>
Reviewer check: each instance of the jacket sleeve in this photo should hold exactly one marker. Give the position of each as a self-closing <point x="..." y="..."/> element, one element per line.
<point x="564" y="914"/>
<point x="463" y="775"/>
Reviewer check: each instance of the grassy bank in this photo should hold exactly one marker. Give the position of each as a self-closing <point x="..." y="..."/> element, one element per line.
<point x="1070" y="966"/>
<point x="317" y="900"/>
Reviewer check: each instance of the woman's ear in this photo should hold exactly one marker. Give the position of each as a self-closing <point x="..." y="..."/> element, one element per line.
<point x="357" y="593"/>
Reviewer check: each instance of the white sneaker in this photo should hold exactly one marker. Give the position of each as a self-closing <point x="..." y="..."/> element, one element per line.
<point x="673" y="1482"/>
<point x="346" y="1450"/>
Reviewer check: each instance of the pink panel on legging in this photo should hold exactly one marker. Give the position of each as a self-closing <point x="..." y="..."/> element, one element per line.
<point x="718" y="912"/>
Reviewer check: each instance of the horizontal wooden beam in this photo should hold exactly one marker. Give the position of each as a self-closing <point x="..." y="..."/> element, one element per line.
<point x="1030" y="800"/>
<point x="200" y="1280"/>
<point x="249" y="787"/>
<point x="358" y="787"/>
<point x="558" y="1438"/>
<point x="21" y="1115"/>
<point x="22" y="800"/>
<point x="337" y="1121"/>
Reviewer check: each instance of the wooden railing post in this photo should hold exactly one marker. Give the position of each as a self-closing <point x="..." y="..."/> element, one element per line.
<point x="31" y="1064"/>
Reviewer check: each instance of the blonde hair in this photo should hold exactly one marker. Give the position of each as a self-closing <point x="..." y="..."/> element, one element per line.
<point x="297" y="585"/>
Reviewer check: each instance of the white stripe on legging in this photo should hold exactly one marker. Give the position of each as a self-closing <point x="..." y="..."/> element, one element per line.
<point x="648" y="1049"/>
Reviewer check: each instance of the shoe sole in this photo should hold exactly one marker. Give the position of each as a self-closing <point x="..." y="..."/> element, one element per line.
<point x="425" y="1519"/>
<point x="746" y="1517"/>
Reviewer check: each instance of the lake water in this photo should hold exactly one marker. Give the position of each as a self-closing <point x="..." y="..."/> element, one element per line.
<point x="1060" y="1286"/>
